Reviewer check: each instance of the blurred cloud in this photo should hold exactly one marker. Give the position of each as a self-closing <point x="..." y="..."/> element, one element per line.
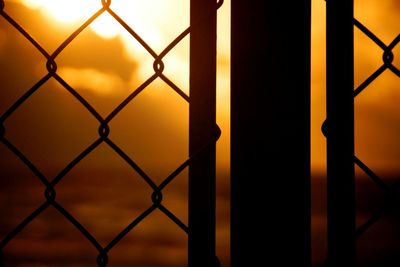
<point x="104" y="64"/>
<point x="93" y="80"/>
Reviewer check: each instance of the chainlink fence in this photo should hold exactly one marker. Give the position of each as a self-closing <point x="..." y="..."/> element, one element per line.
<point x="389" y="186"/>
<point x="351" y="195"/>
<point x="200" y="150"/>
<point x="387" y="65"/>
<point x="50" y="183"/>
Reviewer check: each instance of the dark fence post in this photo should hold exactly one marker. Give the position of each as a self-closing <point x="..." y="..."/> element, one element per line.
<point x="340" y="134"/>
<point x="270" y="133"/>
<point x="202" y="130"/>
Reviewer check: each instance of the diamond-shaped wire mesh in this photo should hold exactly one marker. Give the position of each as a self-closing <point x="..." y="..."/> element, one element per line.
<point x="390" y="191"/>
<point x="387" y="65"/>
<point x="50" y="183"/>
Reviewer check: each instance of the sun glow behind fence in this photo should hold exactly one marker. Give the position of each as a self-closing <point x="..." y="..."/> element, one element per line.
<point x="158" y="22"/>
<point x="103" y="65"/>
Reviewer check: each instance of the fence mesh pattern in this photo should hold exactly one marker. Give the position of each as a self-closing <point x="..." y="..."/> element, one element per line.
<point x="50" y="183"/>
<point x="391" y="191"/>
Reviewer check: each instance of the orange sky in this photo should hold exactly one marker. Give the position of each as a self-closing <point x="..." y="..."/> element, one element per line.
<point x="156" y="22"/>
<point x="104" y="68"/>
<point x="158" y="28"/>
<point x="105" y="64"/>
<point x="376" y="114"/>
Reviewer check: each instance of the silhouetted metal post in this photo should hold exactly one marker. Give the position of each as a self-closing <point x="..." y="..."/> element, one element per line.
<point x="202" y="131"/>
<point x="270" y="137"/>
<point x="340" y="134"/>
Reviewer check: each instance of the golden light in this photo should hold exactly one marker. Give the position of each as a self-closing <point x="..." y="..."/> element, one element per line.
<point x="71" y="11"/>
<point x="156" y="22"/>
<point x="105" y="26"/>
<point x="155" y="29"/>
<point x="93" y="80"/>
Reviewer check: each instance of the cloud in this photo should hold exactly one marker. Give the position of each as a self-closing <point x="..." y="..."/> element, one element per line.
<point x="94" y="80"/>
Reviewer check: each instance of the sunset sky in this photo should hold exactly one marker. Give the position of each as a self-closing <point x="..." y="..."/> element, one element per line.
<point x="131" y="64"/>
<point x="119" y="63"/>
<point x="377" y="115"/>
<point x="105" y="64"/>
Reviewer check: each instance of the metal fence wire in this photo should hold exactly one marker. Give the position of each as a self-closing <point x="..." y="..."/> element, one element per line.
<point x="390" y="190"/>
<point x="50" y="183"/>
<point x="339" y="131"/>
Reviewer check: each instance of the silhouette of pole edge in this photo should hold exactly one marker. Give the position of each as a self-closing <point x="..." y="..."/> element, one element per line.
<point x="340" y="134"/>
<point x="202" y="128"/>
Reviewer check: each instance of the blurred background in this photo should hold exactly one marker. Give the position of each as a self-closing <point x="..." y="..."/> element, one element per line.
<point x="377" y="128"/>
<point x="105" y="64"/>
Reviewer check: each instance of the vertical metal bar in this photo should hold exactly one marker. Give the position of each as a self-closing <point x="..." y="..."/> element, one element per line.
<point x="270" y="133"/>
<point x="202" y="133"/>
<point x="340" y="134"/>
